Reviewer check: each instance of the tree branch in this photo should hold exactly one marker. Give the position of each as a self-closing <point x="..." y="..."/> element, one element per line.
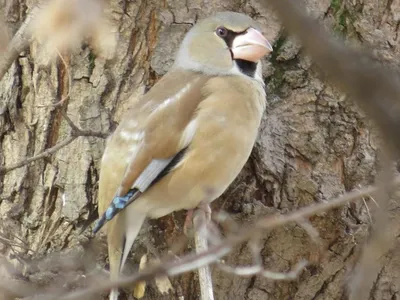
<point x="216" y="252"/>
<point x="376" y="89"/>
<point x="43" y="154"/>
<point x="373" y="86"/>
<point x="381" y="238"/>
<point x="75" y="133"/>
<point x="18" y="44"/>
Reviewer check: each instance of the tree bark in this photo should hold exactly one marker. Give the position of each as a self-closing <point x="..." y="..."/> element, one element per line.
<point x="314" y="144"/>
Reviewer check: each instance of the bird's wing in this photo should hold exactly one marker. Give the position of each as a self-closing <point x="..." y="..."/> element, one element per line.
<point x="157" y="130"/>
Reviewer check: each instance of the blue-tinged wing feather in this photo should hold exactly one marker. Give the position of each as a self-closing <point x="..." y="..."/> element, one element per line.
<point x="117" y="204"/>
<point x="156" y="170"/>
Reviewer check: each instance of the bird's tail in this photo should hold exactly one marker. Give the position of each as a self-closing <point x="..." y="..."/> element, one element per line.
<point x="122" y="232"/>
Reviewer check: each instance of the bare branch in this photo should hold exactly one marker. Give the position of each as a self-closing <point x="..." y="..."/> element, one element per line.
<point x="376" y="89"/>
<point x="18" y="44"/>
<point x="76" y="132"/>
<point x="380" y="240"/>
<point x="311" y="231"/>
<point x="216" y="252"/>
<point x="43" y="154"/>
<point x="13" y="244"/>
<point x="258" y="270"/>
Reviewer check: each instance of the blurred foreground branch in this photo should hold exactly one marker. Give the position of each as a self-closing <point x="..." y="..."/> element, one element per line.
<point x="50" y="24"/>
<point x="374" y="87"/>
<point x="380" y="240"/>
<point x="215" y="252"/>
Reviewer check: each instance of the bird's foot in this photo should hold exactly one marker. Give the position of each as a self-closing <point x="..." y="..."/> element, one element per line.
<point x="188" y="225"/>
<point x="205" y="207"/>
<point x="199" y="220"/>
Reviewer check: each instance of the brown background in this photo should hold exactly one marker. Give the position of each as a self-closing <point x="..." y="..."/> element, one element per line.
<point x="314" y="145"/>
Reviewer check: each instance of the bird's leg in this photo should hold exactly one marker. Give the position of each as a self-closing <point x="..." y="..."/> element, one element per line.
<point x="188" y="225"/>
<point x="204" y="206"/>
<point x="212" y="231"/>
<point x="201" y="220"/>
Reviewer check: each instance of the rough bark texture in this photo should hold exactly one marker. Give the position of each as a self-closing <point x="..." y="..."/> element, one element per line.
<point x="314" y="145"/>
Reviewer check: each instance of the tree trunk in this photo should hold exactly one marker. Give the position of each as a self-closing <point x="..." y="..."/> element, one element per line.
<point x="314" y="145"/>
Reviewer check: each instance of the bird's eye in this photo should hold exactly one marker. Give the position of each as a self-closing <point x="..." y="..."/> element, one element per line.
<point x="222" y="32"/>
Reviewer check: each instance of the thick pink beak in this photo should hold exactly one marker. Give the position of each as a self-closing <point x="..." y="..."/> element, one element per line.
<point x="251" y="46"/>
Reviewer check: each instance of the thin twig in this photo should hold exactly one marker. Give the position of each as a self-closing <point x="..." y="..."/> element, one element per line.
<point x="18" y="44"/>
<point x="71" y="124"/>
<point x="376" y="90"/>
<point x="381" y="238"/>
<point x="311" y="230"/>
<point x="367" y="209"/>
<point x="12" y="244"/>
<point x="75" y="133"/>
<point x="43" y="154"/>
<point x="258" y="270"/>
<point x="373" y="200"/>
<point x="46" y="153"/>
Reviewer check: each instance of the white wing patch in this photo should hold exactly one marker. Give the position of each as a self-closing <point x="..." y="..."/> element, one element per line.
<point x="132" y="151"/>
<point x="64" y="199"/>
<point x="188" y="133"/>
<point x="151" y="172"/>
<point x="136" y="137"/>
<point x="133" y="123"/>
<point x="104" y="157"/>
<point x="131" y="135"/>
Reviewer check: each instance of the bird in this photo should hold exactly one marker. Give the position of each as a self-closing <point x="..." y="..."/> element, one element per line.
<point x="184" y="141"/>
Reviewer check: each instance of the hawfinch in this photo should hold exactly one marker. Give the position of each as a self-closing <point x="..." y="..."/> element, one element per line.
<point x="186" y="140"/>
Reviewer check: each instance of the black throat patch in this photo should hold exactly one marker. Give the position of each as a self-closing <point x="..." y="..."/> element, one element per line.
<point x="246" y="67"/>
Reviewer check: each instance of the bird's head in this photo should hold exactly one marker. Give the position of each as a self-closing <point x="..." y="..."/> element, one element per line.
<point x="227" y="43"/>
